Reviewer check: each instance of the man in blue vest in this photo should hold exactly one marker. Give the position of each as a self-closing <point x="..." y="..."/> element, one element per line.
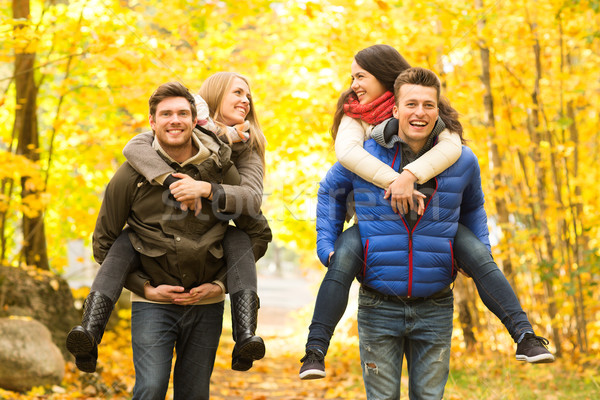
<point x="405" y="300"/>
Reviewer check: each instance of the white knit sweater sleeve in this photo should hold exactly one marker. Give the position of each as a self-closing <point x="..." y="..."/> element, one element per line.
<point x="441" y="156"/>
<point x="351" y="154"/>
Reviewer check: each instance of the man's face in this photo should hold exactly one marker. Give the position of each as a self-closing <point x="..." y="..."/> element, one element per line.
<point x="416" y="110"/>
<point x="173" y="123"/>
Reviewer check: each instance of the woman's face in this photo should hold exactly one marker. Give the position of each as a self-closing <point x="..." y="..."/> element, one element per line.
<point x="366" y="87"/>
<point x="236" y="103"/>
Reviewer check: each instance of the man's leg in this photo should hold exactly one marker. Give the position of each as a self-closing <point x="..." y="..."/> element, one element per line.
<point x="196" y="351"/>
<point x="427" y="348"/>
<point x="380" y="327"/>
<point x="154" y="330"/>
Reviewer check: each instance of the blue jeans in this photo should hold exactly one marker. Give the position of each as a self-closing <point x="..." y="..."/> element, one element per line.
<point x="193" y="331"/>
<point x="496" y="293"/>
<point x="332" y="298"/>
<point x="390" y="328"/>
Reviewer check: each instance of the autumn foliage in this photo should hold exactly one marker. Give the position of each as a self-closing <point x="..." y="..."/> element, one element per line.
<point x="523" y="75"/>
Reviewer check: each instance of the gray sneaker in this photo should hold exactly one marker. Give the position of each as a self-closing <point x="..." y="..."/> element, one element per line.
<point x="313" y="365"/>
<point x="533" y="350"/>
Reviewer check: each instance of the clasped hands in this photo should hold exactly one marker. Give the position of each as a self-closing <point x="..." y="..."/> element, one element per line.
<point x="403" y="196"/>
<point x="178" y="294"/>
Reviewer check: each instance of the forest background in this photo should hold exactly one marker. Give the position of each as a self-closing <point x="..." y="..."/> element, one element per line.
<point x="75" y="77"/>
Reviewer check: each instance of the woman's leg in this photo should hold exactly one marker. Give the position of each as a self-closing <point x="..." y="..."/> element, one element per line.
<point x="242" y="285"/>
<point x="332" y="299"/>
<point x="473" y="257"/>
<point x="83" y="340"/>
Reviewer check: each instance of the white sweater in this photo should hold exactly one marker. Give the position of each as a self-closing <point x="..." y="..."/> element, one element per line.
<point x="350" y="153"/>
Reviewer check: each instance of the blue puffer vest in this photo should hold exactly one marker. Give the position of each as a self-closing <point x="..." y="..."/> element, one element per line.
<point x="401" y="261"/>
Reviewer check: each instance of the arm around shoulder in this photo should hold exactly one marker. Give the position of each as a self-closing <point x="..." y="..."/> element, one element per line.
<point x="145" y="160"/>
<point x="245" y="198"/>
<point x="351" y="154"/>
<point x="441" y="156"/>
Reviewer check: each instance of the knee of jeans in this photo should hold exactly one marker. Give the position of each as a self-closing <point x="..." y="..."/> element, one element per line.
<point x="348" y="259"/>
<point x="341" y="275"/>
<point x="476" y="258"/>
<point x="371" y="367"/>
<point x="234" y="236"/>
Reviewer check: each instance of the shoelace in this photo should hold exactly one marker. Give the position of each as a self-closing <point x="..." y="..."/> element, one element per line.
<point x="539" y="339"/>
<point x="310" y="357"/>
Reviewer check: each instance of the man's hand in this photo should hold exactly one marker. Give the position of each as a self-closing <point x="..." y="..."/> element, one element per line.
<point x="189" y="192"/>
<point x="403" y="194"/>
<point x="164" y="293"/>
<point x="204" y="291"/>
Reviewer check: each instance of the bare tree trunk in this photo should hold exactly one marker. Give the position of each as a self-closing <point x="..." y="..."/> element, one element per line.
<point x="464" y="294"/>
<point x="540" y="173"/>
<point x="488" y="120"/>
<point x="26" y="127"/>
<point x="579" y="242"/>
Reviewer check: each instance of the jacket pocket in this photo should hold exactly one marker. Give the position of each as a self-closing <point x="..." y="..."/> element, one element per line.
<point x="367" y="299"/>
<point x="151" y="247"/>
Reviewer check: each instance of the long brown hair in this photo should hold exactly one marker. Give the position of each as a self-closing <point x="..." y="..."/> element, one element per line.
<point x="213" y="90"/>
<point x="385" y="63"/>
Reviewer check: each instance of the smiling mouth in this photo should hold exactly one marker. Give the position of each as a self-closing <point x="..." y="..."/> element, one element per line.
<point x="418" y="124"/>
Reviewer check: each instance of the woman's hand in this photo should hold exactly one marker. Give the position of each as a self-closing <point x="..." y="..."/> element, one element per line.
<point x="402" y="194"/>
<point x="189" y="192"/>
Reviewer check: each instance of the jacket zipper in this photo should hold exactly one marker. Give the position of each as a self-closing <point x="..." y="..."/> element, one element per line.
<point x="410" y="242"/>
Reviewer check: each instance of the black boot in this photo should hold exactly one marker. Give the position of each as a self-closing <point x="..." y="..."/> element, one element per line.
<point x="244" y="315"/>
<point x="83" y="340"/>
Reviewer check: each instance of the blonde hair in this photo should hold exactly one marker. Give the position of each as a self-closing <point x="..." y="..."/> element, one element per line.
<point x="213" y="90"/>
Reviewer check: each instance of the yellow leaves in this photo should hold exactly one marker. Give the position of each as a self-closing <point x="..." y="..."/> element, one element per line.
<point x="384" y="6"/>
<point x="54" y="284"/>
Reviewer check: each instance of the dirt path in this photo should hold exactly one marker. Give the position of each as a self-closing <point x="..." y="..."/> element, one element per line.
<point x="276" y="376"/>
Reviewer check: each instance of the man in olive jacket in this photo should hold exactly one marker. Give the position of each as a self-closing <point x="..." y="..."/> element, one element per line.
<point x="182" y="303"/>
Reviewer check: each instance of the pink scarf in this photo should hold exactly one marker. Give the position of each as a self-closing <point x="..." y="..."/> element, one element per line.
<point x="373" y="113"/>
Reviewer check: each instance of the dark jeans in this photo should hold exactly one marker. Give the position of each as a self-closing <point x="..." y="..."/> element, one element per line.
<point x="332" y="298"/>
<point x="122" y="259"/>
<point x="193" y="331"/>
<point x="495" y="291"/>
<point x="471" y="255"/>
<point x="239" y="257"/>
